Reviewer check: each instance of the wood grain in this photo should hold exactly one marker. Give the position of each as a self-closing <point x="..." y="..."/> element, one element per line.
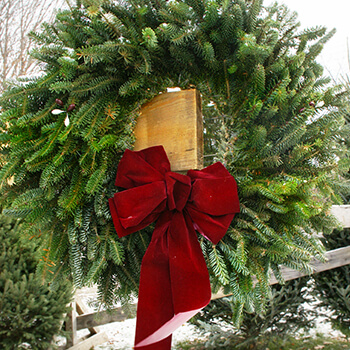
<point x="173" y="120"/>
<point x="94" y="319"/>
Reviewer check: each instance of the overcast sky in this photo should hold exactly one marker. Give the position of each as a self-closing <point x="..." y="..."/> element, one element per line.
<point x="331" y="14"/>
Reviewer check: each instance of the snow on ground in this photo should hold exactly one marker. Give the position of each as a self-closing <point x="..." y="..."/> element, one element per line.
<point x="121" y="334"/>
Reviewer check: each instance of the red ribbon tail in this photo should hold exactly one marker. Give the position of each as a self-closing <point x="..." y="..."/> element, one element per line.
<point x="166" y="330"/>
<point x="174" y="283"/>
<point x="155" y="306"/>
<point x="164" y="344"/>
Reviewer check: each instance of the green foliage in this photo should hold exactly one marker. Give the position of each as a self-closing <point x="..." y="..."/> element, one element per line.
<point x="292" y="342"/>
<point x="346" y="198"/>
<point x="269" y="117"/>
<point x="333" y="286"/>
<point x="283" y="317"/>
<point x="30" y="311"/>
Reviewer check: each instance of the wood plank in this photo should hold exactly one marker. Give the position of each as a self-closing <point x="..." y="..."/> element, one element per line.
<point x="173" y="120"/>
<point x="342" y="213"/>
<point x="94" y="340"/>
<point x="71" y="326"/>
<point x="335" y="258"/>
<point x="103" y="317"/>
<point x="81" y="310"/>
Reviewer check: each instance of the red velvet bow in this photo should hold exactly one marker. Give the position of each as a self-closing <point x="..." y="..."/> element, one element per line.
<point x="174" y="281"/>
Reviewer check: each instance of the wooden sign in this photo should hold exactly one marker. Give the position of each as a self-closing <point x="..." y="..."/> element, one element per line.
<point x="173" y="120"/>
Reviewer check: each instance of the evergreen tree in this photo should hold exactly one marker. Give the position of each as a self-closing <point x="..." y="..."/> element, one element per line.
<point x="346" y="198"/>
<point x="269" y="117"/>
<point x="333" y="287"/>
<point x="285" y="315"/>
<point x="30" y="311"/>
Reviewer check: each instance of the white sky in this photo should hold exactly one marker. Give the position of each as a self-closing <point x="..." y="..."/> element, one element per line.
<point x="331" y="14"/>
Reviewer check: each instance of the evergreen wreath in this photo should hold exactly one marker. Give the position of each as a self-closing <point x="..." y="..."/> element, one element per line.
<point x="269" y="116"/>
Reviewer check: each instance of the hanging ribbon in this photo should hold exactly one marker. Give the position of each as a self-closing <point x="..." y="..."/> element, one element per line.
<point x="174" y="281"/>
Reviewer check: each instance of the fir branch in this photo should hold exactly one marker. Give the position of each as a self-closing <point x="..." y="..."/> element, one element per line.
<point x="218" y="265"/>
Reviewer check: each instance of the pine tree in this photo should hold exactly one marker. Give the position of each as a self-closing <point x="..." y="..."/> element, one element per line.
<point x="31" y="313"/>
<point x="269" y="116"/>
<point x="285" y="315"/>
<point x="333" y="287"/>
<point x="346" y="198"/>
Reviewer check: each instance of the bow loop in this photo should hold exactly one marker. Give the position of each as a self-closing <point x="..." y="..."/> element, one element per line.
<point x="213" y="191"/>
<point x="213" y="201"/>
<point x="142" y="167"/>
<point x="137" y="207"/>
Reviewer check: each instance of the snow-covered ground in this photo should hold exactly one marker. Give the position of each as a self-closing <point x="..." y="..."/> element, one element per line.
<point x="121" y="334"/>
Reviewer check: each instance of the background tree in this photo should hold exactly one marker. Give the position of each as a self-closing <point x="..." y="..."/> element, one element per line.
<point x="17" y="19"/>
<point x="270" y="117"/>
<point x="347" y="139"/>
<point x="285" y="315"/>
<point x="30" y="311"/>
<point x="333" y="287"/>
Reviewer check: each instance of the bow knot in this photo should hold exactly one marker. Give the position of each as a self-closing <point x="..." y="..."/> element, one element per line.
<point x="174" y="281"/>
<point x="178" y="188"/>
